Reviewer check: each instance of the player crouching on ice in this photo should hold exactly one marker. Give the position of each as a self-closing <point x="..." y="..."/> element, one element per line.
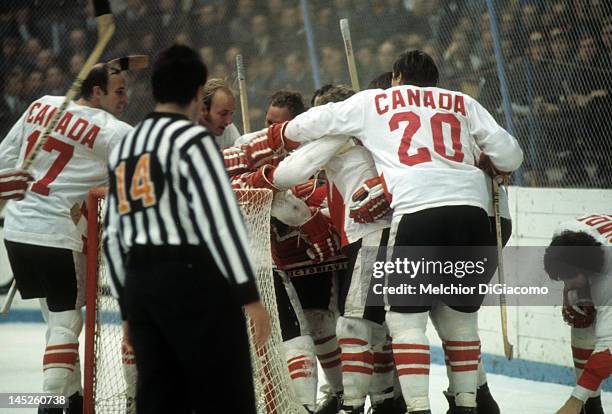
<point x="579" y="255"/>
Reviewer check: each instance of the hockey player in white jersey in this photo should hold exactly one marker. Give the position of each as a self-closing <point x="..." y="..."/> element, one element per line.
<point x="218" y="112"/>
<point x="422" y="139"/>
<point x="580" y="255"/>
<point x="44" y="244"/>
<point x="367" y="366"/>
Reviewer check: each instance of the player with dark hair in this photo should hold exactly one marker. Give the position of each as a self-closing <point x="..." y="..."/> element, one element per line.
<point x="579" y="255"/>
<point x="177" y="251"/>
<point x="284" y="105"/>
<point x="439" y="198"/>
<point x="46" y="222"/>
<point x="382" y="81"/>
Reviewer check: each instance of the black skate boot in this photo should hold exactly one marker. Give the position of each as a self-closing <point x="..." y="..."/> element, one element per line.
<point x="75" y="404"/>
<point x="331" y="404"/>
<point x="384" y="407"/>
<point x="420" y="412"/>
<point x="485" y="402"/>
<point x="399" y="405"/>
<point x="46" y="410"/>
<point x="593" y="406"/>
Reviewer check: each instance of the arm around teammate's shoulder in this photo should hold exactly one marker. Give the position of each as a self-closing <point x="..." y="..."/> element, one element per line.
<point x="495" y="142"/>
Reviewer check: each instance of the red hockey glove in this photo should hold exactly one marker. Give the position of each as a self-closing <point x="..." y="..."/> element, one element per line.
<point x="369" y="203"/>
<point x="580" y="314"/>
<point x="262" y="178"/>
<point x="235" y="160"/>
<point x="320" y="234"/>
<point x="276" y="137"/>
<point x="313" y="192"/>
<point x="13" y="184"/>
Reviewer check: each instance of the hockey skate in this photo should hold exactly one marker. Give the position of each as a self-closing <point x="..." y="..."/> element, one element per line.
<point x="593" y="406"/>
<point x="75" y="404"/>
<point x="331" y="404"/>
<point x="385" y="407"/>
<point x="485" y="402"/>
<point x="352" y="410"/>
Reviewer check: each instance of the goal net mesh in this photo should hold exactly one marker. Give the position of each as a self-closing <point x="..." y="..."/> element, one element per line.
<point x="106" y="389"/>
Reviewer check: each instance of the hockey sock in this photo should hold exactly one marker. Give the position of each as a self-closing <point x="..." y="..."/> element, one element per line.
<point x="302" y="365"/>
<point x="459" y="332"/>
<point x="130" y="373"/>
<point x="62" y="353"/>
<point x="583" y="342"/>
<point x="357" y="360"/>
<point x="381" y="385"/>
<point x="411" y="354"/>
<point x="322" y="324"/>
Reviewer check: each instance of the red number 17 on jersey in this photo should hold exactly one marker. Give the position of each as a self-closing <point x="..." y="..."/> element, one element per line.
<point x="422" y="154"/>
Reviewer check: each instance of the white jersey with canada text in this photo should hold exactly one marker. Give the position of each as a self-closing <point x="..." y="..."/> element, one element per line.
<point x="423" y="141"/>
<point x="600" y="227"/>
<point x="346" y="167"/>
<point x="71" y="162"/>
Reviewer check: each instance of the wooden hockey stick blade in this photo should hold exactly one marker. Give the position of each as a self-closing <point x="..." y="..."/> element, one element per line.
<point x="6" y="307"/>
<point x="133" y="62"/>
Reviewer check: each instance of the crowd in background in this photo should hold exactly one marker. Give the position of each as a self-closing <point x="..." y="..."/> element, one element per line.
<point x="558" y="59"/>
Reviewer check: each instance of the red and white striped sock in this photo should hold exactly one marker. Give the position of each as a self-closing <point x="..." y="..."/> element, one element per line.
<point x="381" y="386"/>
<point x="329" y="353"/>
<point x="463" y="358"/>
<point x="583" y="343"/>
<point x="357" y="359"/>
<point x="411" y="355"/>
<point x="302" y="365"/>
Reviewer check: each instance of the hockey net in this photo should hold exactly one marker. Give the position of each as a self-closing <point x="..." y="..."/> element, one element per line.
<point x="105" y="387"/>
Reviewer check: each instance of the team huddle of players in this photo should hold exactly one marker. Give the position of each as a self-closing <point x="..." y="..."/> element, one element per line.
<point x="404" y="163"/>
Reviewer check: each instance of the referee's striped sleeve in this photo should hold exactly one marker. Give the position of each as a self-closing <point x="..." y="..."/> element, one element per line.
<point x="115" y="256"/>
<point x="211" y="194"/>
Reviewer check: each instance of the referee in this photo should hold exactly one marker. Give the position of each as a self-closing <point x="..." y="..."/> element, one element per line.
<point x="176" y="248"/>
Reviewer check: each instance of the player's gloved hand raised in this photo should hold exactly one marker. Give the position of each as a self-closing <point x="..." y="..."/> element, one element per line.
<point x="14" y="183"/>
<point x="320" y="234"/>
<point x="369" y="203"/>
<point x="580" y="314"/>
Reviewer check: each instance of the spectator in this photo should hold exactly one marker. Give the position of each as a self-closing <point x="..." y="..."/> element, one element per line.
<point x="77" y="41"/>
<point x="76" y="63"/>
<point x="33" y="86"/>
<point x="387" y="53"/>
<point x="44" y="59"/>
<point x="55" y="81"/>
<point x="297" y="77"/>
<point x="207" y="53"/>
<point x="606" y="37"/>
<point x="239" y="25"/>
<point x="290" y="30"/>
<point x="333" y="66"/>
<point x="209" y="29"/>
<point x="261" y="40"/>
<point x="11" y="104"/>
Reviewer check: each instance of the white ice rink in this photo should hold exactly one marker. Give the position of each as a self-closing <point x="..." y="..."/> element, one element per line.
<point x="21" y="346"/>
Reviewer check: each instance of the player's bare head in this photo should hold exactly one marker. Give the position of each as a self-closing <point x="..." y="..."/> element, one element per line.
<point x="284" y="106"/>
<point x="336" y="93"/>
<point x="572" y="254"/>
<point x="382" y="81"/>
<point x="319" y="92"/>
<point x="219" y="106"/>
<point x="105" y="89"/>
<point x="417" y="68"/>
<point x="178" y="78"/>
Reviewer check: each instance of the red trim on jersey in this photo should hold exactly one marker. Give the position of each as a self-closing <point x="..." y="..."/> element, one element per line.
<point x="337" y="208"/>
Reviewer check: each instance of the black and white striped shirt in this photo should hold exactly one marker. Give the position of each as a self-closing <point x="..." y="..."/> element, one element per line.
<point x="168" y="187"/>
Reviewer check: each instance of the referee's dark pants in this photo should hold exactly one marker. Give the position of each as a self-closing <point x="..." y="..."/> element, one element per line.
<point x="189" y="337"/>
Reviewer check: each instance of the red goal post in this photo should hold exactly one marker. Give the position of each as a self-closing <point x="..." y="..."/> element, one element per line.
<point x="104" y="385"/>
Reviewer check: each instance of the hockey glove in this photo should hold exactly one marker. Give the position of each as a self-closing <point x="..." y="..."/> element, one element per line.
<point x="13" y="184"/>
<point x="320" y="234"/>
<point x="276" y="137"/>
<point x="313" y="192"/>
<point x="580" y="314"/>
<point x="262" y="178"/>
<point x="485" y="164"/>
<point x="369" y="203"/>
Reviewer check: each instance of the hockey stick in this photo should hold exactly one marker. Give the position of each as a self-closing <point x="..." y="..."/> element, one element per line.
<point x="350" y="57"/>
<point x="244" y="103"/>
<point x="106" y="28"/>
<point x="6" y="307"/>
<point x="132" y="62"/>
<point x="500" y="269"/>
